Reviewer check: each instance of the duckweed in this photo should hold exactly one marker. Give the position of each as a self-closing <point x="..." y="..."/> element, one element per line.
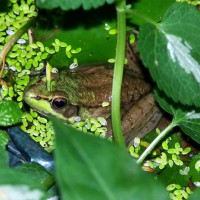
<point x="113" y="31"/>
<point x="39" y="128"/>
<point x="197" y="166"/>
<point x="131" y="38"/>
<point x="177" y="192"/>
<point x="91" y="125"/>
<point x="22" y="59"/>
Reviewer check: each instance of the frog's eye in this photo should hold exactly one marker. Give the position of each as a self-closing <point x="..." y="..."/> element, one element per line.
<point x="58" y="103"/>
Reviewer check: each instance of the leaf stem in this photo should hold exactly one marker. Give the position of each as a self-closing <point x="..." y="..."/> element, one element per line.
<point x="141" y="16"/>
<point x="156" y="141"/>
<point x="118" y="73"/>
<point x="11" y="42"/>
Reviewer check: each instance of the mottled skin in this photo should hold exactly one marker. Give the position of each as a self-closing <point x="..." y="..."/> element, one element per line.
<point x="90" y="86"/>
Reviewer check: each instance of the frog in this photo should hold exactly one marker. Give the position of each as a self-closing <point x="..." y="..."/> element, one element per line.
<point x="87" y="92"/>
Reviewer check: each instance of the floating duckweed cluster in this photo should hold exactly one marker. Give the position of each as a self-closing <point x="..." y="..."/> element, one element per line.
<point x="27" y="57"/>
<point x="19" y="12"/>
<point x="9" y="92"/>
<point x="39" y="129"/>
<point x="135" y="148"/>
<point x="92" y="125"/>
<point x="177" y="192"/>
<point x="170" y="157"/>
<point x="167" y="156"/>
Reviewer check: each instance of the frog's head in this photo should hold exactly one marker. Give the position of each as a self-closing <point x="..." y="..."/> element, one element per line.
<point x="48" y="103"/>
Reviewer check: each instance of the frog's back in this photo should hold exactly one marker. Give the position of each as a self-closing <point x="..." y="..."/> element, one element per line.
<point x="91" y="86"/>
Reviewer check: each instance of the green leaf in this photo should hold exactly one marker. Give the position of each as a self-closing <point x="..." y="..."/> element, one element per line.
<point x="175" y="176"/>
<point x="40" y="175"/>
<point x="72" y="4"/>
<point x="92" y="168"/>
<point x="10" y="113"/>
<point x="172" y="54"/>
<point x="17" y="185"/>
<point x="184" y="116"/>
<point x="194" y="173"/>
<point x="3" y="138"/>
<point x="169" y="105"/>
<point x="153" y="9"/>
<point x="195" y="195"/>
<point x="4" y="157"/>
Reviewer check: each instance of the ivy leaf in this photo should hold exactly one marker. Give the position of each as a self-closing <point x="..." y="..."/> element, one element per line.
<point x="93" y="168"/>
<point x="171" y="51"/>
<point x="10" y="113"/>
<point x="72" y="4"/>
<point x="184" y="116"/>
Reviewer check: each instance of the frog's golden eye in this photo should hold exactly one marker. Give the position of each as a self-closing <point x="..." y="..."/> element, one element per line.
<point x="58" y="103"/>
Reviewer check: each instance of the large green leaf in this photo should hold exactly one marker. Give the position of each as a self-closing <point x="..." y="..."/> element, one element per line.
<point x="171" y="51"/>
<point x="72" y="4"/>
<point x="10" y="113"/>
<point x="153" y="9"/>
<point x="17" y="185"/>
<point x="88" y="167"/>
<point x="184" y="116"/>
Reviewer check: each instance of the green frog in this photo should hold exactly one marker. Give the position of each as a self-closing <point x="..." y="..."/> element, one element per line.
<point x="87" y="92"/>
<point x="84" y="91"/>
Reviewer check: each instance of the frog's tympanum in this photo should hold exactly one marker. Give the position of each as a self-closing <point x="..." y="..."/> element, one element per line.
<point x="83" y="92"/>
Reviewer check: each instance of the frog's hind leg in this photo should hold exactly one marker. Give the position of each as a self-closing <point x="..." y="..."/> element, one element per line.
<point x="141" y="118"/>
